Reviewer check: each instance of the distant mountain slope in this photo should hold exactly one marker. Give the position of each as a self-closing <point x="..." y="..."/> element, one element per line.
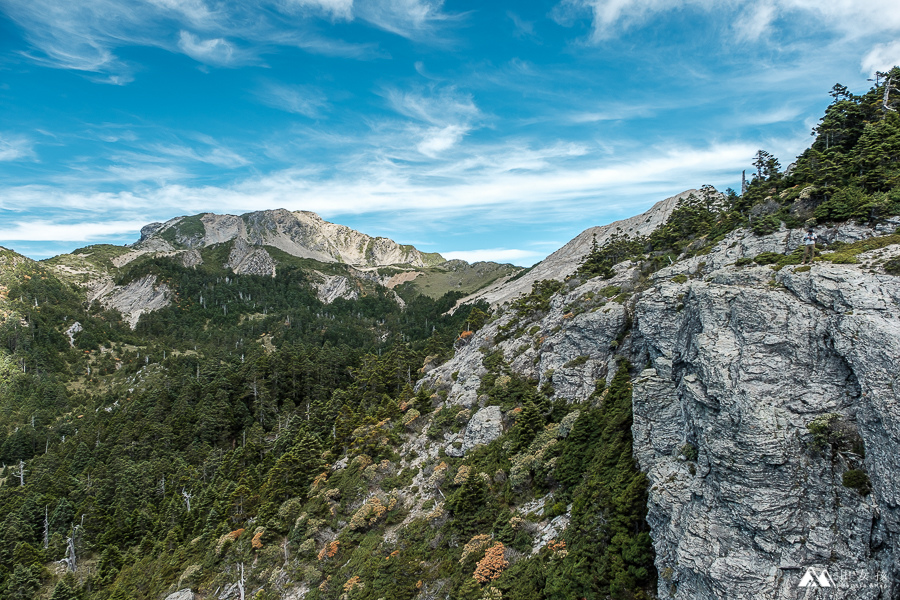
<point x="566" y="260"/>
<point x="339" y="262"/>
<point x="300" y="233"/>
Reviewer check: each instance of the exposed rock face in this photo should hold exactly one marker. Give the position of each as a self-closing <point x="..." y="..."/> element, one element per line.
<point x="567" y="259"/>
<point x="249" y="260"/>
<point x="191" y="258"/>
<point x="302" y="233"/>
<point x="739" y="373"/>
<point x="485" y="426"/>
<point x="138" y="297"/>
<point x="149" y="229"/>
<point x="185" y="594"/>
<point x="72" y="331"/>
<point x="332" y="287"/>
<point x="739" y="362"/>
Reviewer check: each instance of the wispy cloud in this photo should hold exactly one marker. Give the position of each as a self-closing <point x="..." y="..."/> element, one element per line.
<point x="611" y="17"/>
<point x="306" y="100"/>
<point x="523" y="28"/>
<point x="86" y="35"/>
<point x="882" y="57"/>
<point x="216" y="155"/>
<point x="43" y="231"/>
<point x="14" y="147"/>
<point x="553" y="188"/>
<point x="414" y="19"/>
<point x="754" y="21"/>
<point x="212" y="51"/>
<point x="448" y="113"/>
<point x="337" y="9"/>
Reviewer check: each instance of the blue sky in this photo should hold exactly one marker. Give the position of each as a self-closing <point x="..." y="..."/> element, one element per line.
<point x="484" y="131"/>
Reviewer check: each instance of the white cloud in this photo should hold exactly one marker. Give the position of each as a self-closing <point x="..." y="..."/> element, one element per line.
<point x="85" y="35"/>
<point x="40" y="230"/>
<point x="338" y="9"/>
<point x="194" y="11"/>
<point x="438" y="139"/>
<point x="610" y="17"/>
<point x="755" y="21"/>
<point x="414" y="19"/>
<point x="15" y="148"/>
<point x="388" y="186"/>
<point x="881" y="58"/>
<point x="439" y="107"/>
<point x="449" y="114"/>
<point x="305" y="100"/>
<point x="217" y="156"/>
<point x="215" y="51"/>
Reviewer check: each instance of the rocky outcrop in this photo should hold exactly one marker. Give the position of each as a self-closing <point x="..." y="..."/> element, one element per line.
<point x="185" y="594"/>
<point x="137" y="298"/>
<point x="485" y="426"/>
<point x="72" y="331"/>
<point x="191" y="258"/>
<point x="250" y="260"/>
<point x="741" y="365"/>
<point x="756" y="392"/>
<point x="331" y="287"/>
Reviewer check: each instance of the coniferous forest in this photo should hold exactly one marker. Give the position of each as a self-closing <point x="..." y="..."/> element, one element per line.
<point x="248" y="439"/>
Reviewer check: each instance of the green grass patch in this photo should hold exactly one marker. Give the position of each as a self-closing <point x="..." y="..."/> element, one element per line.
<point x="610" y="291"/>
<point x="846" y="254"/>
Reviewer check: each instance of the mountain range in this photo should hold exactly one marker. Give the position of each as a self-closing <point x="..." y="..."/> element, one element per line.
<point x="679" y="405"/>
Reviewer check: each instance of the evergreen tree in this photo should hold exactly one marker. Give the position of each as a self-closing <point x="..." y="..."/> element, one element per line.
<point x="66" y="589"/>
<point x="23" y="583"/>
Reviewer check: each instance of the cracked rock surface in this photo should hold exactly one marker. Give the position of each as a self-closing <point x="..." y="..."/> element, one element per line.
<point x="735" y="367"/>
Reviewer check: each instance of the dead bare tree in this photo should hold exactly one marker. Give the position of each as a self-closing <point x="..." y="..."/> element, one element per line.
<point x="22" y="472"/>
<point x="888" y="86"/>
<point x="70" y="559"/>
<point x="187" y="498"/>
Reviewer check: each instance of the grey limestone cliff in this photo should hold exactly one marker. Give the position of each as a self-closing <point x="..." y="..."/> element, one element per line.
<point x="299" y="233"/>
<point x="756" y="392"/>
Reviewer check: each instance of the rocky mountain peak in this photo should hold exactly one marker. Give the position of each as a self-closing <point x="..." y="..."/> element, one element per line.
<point x="299" y="233"/>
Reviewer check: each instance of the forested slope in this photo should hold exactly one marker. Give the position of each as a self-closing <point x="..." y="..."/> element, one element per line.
<point x="249" y="439"/>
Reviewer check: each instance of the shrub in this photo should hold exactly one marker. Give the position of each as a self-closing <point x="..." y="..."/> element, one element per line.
<point x="847" y="253"/>
<point x="743" y="262"/>
<point x="768" y="258"/>
<point x="892" y="267"/>
<point x="858" y="480"/>
<point x="576" y="362"/>
<point x="610" y="291"/>
<point x="765" y="225"/>
<point x="492" y="565"/>
<point x="689" y="451"/>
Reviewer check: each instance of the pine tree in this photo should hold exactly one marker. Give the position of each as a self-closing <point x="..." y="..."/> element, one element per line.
<point x="23" y="583"/>
<point x="528" y="425"/>
<point x="295" y="470"/>
<point x="66" y="589"/>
